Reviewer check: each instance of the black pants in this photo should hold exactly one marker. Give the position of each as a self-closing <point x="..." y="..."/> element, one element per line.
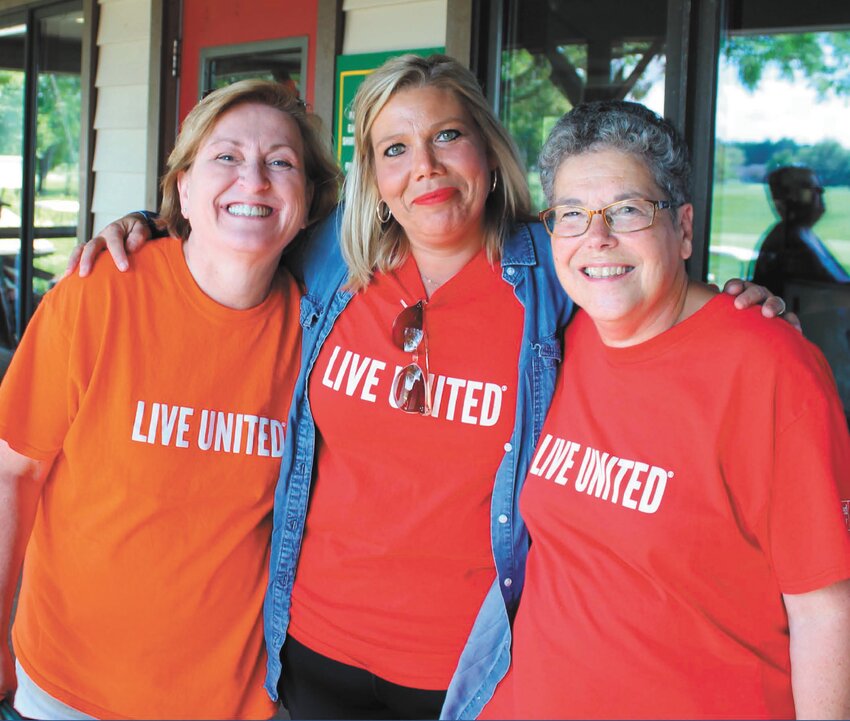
<point x="313" y="686"/>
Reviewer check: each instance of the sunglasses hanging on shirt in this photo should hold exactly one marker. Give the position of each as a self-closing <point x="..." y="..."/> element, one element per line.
<point x="412" y="385"/>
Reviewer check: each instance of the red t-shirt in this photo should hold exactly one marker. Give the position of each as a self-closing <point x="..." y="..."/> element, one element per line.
<point x="396" y="558"/>
<point x="145" y="573"/>
<point x="679" y="488"/>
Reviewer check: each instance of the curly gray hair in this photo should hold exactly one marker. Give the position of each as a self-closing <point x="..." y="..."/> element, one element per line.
<point x="625" y="126"/>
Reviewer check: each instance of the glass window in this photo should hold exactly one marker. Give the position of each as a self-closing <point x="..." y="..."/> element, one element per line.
<point x="781" y="196"/>
<point x="57" y="146"/>
<point x="283" y="60"/>
<point x="40" y="135"/>
<point x="556" y="55"/>
<point x="12" y="39"/>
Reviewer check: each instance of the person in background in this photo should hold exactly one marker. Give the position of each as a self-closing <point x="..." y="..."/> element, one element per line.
<point x="431" y="320"/>
<point x="142" y="423"/>
<point x="791" y="250"/>
<point x="688" y="499"/>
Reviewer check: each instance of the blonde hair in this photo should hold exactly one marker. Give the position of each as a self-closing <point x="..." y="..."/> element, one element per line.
<point x="319" y="166"/>
<point x="370" y="246"/>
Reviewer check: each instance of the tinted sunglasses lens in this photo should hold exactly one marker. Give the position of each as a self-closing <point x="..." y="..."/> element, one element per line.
<point x="407" y="328"/>
<point x="409" y="391"/>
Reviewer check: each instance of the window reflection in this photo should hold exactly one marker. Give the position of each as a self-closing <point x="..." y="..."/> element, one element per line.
<point x="281" y="60"/>
<point x="45" y="214"/>
<point x="779" y="115"/>
<point x="792" y="250"/>
<point x="12" y="37"/>
<point x="781" y="199"/>
<point x="556" y="55"/>
<point x="57" y="151"/>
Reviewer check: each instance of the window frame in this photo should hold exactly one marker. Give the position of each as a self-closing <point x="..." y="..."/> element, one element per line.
<point x="31" y="15"/>
<point x="211" y="53"/>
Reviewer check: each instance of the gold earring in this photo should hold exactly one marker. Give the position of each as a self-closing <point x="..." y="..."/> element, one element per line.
<point x="384" y="214"/>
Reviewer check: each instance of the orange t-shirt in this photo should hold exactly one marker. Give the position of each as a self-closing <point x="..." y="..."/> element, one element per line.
<point x="145" y="572"/>
<point x="396" y="558"/>
<point x="679" y="488"/>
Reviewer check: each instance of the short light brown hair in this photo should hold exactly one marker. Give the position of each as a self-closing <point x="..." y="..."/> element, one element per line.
<point x="319" y="166"/>
<point x="370" y="246"/>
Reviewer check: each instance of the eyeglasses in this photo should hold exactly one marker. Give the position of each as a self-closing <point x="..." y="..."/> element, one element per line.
<point x="412" y="385"/>
<point x="624" y="216"/>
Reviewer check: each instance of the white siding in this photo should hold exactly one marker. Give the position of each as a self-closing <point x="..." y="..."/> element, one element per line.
<point x="120" y="147"/>
<point x="120" y="65"/>
<point x="383" y="25"/>
<point x="111" y="191"/>
<point x="123" y="20"/>
<point x="122" y="181"/>
<point x="121" y="107"/>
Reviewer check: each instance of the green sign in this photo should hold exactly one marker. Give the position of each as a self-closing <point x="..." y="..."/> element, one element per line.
<point x="350" y="71"/>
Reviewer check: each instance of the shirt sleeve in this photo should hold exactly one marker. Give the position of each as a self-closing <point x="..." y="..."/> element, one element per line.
<point x="810" y="495"/>
<point x="37" y="395"/>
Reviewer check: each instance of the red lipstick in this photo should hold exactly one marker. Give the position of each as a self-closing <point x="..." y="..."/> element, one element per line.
<point x="440" y="195"/>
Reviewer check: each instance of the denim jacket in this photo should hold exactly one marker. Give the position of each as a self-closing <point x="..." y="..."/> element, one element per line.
<point x="527" y="266"/>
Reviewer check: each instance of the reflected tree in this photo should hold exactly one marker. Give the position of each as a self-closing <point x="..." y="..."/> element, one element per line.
<point x="818" y="58"/>
<point x="11" y="111"/>
<point x="58" y="121"/>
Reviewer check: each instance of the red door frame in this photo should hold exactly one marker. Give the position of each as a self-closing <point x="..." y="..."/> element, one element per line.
<point x="209" y="23"/>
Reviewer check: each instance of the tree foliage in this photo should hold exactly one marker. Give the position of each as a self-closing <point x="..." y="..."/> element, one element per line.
<point x="751" y="162"/>
<point x="11" y="111"/>
<point x="532" y="102"/>
<point x="57" y="118"/>
<point x="729" y="158"/>
<point x="539" y="86"/>
<point x="820" y="59"/>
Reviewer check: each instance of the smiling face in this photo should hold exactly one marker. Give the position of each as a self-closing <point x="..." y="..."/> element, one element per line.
<point x="246" y="190"/>
<point x="633" y="285"/>
<point x="431" y="167"/>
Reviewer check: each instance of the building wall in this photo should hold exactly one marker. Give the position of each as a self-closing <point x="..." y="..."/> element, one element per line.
<point x="209" y="23"/>
<point x="122" y="142"/>
<point x="385" y="25"/>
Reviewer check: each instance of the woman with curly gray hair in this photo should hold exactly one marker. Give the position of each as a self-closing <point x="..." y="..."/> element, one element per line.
<point x="628" y="127"/>
<point x="687" y="502"/>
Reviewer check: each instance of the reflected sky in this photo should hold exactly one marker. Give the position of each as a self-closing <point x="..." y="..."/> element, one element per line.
<point x="779" y="109"/>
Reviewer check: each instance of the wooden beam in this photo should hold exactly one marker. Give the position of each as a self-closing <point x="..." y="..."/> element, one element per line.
<point x="328" y="46"/>
<point x="459" y="30"/>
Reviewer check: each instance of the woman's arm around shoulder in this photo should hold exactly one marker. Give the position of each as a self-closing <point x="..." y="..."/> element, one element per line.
<point x="120" y="237"/>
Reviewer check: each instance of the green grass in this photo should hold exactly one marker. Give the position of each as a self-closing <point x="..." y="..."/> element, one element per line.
<point x="54" y="264"/>
<point x="742" y="214"/>
<point x="60" y="184"/>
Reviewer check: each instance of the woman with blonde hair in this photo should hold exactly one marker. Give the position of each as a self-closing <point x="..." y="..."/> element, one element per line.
<point x="137" y="478"/>
<point x="429" y="355"/>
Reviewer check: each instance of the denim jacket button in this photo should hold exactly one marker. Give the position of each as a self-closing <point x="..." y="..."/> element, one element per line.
<point x="510" y="270"/>
<point x="508" y="582"/>
<point x="508" y="447"/>
<point x="503" y="518"/>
